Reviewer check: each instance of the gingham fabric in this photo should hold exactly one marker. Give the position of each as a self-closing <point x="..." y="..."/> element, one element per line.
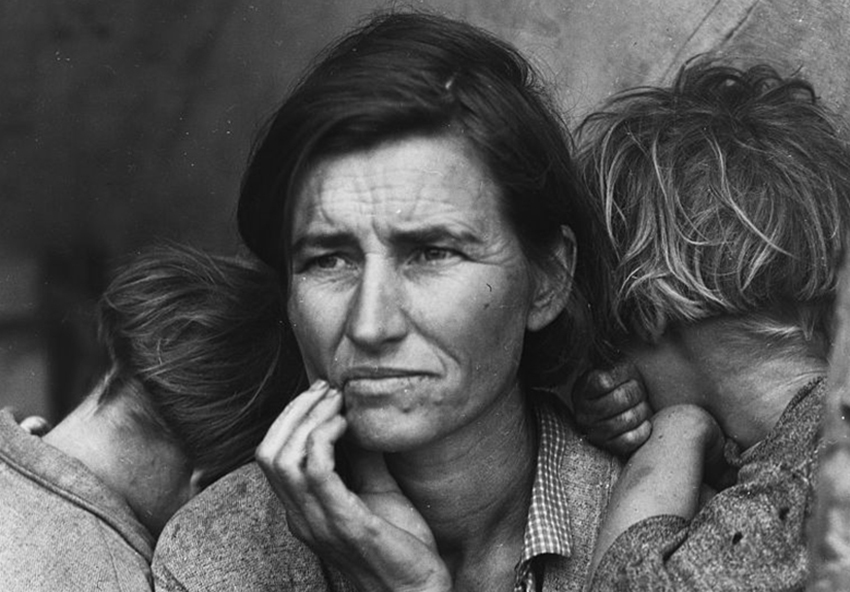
<point x="548" y="527"/>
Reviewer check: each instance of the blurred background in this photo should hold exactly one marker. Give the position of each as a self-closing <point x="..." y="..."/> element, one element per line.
<point x="124" y="123"/>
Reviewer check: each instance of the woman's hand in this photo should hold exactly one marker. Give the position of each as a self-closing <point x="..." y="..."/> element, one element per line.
<point x="611" y="407"/>
<point x="376" y="537"/>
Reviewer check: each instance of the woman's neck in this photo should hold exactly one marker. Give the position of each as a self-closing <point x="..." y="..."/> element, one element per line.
<point x="152" y="475"/>
<point x="474" y="488"/>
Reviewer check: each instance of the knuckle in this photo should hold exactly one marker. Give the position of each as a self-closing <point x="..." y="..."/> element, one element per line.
<point x="283" y="466"/>
<point x="593" y="383"/>
<point x="617" y="406"/>
<point x="643" y="431"/>
<point x="630" y="438"/>
<point x="603" y="381"/>
<point x="315" y="472"/>
<point x="634" y="438"/>
<point x="632" y="392"/>
<point x="616" y="399"/>
<point x="625" y="421"/>
<point x="643" y="411"/>
<point x="315" y="443"/>
<point x="631" y="417"/>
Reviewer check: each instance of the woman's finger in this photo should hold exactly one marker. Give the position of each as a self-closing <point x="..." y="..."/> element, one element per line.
<point x="319" y="459"/>
<point x="286" y="438"/>
<point x="282" y="453"/>
<point x="294" y="413"/>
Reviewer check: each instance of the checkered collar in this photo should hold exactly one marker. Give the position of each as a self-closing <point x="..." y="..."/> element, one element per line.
<point x="548" y="525"/>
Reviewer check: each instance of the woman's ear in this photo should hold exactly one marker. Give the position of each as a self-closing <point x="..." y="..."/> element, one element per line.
<point x="553" y="285"/>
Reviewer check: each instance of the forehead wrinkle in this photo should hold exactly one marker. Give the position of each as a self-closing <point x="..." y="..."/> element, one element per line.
<point x="394" y="202"/>
<point x="400" y="195"/>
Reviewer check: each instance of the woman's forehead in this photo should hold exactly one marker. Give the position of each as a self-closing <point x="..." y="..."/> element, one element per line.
<point x="407" y="182"/>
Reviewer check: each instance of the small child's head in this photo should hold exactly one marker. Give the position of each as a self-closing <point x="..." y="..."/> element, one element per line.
<point x="200" y="345"/>
<point x="726" y="194"/>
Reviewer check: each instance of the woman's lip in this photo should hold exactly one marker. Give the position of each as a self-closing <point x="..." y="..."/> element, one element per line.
<point x="379" y="374"/>
<point x="381" y="385"/>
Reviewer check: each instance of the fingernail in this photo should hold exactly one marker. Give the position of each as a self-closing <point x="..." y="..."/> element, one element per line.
<point x="319" y="384"/>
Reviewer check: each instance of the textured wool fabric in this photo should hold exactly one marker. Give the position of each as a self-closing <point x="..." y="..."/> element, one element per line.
<point x="234" y="535"/>
<point x="751" y="536"/>
<point x="61" y="529"/>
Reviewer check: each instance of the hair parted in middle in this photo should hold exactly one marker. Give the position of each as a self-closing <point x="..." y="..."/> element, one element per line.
<point x="412" y="73"/>
<point x="726" y="193"/>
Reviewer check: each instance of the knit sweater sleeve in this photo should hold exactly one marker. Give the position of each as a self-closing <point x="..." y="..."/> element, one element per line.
<point x="751" y="536"/>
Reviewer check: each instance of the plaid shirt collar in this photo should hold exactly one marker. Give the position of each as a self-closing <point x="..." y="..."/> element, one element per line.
<point x="548" y="526"/>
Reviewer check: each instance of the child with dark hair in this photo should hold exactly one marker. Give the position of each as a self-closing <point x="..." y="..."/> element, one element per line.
<point x="727" y="196"/>
<point x="199" y="367"/>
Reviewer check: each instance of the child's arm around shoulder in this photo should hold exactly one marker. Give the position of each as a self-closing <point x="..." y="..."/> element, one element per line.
<point x="664" y="476"/>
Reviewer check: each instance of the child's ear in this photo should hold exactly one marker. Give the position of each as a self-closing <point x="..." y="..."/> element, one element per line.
<point x="553" y="285"/>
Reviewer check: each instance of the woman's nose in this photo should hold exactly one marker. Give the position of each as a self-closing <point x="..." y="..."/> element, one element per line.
<point x="376" y="316"/>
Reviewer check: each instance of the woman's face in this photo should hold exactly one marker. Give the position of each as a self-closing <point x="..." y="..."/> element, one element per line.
<point x="410" y="292"/>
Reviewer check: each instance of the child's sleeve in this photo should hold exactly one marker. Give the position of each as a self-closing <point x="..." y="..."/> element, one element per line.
<point x="751" y="536"/>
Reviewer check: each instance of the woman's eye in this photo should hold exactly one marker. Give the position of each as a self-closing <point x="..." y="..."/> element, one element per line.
<point x="327" y="262"/>
<point x="434" y="254"/>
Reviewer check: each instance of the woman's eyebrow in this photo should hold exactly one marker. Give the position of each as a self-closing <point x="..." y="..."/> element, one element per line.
<point x="435" y="234"/>
<point x="322" y="240"/>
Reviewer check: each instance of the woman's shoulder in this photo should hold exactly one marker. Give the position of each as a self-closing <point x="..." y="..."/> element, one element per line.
<point x="581" y="461"/>
<point x="240" y="497"/>
<point x="234" y="536"/>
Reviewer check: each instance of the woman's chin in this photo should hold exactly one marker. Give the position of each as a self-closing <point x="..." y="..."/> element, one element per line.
<point x="382" y="436"/>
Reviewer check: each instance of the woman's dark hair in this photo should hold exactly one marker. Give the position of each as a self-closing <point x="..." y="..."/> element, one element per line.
<point x="404" y="74"/>
<point x="200" y="344"/>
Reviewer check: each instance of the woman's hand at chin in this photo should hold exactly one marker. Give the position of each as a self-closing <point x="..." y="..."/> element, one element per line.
<point x="375" y="536"/>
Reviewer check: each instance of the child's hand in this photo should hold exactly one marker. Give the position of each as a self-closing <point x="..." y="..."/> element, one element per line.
<point x="611" y="407"/>
<point x="33" y="424"/>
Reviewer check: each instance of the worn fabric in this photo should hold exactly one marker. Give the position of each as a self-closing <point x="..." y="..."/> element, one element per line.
<point x="750" y="536"/>
<point x="548" y="527"/>
<point x="61" y="528"/>
<point x="234" y="535"/>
